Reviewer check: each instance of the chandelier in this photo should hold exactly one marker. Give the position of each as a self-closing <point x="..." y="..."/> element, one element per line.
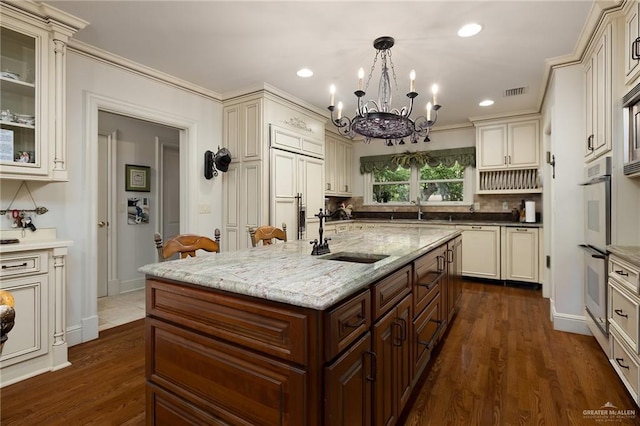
<point x="378" y="120"/>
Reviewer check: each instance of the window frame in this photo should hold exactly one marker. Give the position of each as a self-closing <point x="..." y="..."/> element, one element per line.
<point x="467" y="192"/>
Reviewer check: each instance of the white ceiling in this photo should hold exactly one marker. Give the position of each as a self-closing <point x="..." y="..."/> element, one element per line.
<point x="229" y="45"/>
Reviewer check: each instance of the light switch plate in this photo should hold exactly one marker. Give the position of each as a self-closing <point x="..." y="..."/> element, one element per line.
<point x="505" y="206"/>
<point x="476" y="206"/>
<point x="204" y="208"/>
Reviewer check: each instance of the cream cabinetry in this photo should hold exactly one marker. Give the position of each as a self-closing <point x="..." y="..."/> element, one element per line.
<point x="508" y="145"/>
<point x="624" y="315"/>
<point x="34" y="274"/>
<point x="256" y="124"/>
<point x="33" y="42"/>
<point x="242" y="129"/>
<point x="520" y="254"/>
<point x="631" y="34"/>
<point x="480" y="251"/>
<point x="597" y="83"/>
<point x="338" y="166"/>
<point x="508" y="156"/>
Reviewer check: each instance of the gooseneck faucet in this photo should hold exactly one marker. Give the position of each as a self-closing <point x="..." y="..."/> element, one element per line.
<point x="320" y="247"/>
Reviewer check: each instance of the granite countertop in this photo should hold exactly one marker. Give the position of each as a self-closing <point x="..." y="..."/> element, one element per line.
<point x="445" y="222"/>
<point x="629" y="253"/>
<point x="286" y="272"/>
<point x="42" y="239"/>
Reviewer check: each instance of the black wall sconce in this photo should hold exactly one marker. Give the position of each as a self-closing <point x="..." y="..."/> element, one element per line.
<point x="214" y="162"/>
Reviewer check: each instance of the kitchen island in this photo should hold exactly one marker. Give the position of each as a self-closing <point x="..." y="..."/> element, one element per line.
<point x="273" y="335"/>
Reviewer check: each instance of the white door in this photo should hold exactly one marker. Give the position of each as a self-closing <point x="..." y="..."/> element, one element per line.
<point x="104" y="160"/>
<point x="170" y="202"/>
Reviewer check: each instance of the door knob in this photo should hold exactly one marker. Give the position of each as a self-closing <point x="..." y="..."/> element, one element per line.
<point x="102" y="223"/>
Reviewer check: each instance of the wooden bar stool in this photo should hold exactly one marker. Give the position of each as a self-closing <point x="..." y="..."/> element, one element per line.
<point x="267" y="234"/>
<point x="186" y="245"/>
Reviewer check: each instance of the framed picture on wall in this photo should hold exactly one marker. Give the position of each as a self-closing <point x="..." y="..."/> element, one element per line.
<point x="137" y="178"/>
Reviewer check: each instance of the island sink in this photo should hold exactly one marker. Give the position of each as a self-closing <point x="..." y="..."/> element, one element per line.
<point x="344" y="256"/>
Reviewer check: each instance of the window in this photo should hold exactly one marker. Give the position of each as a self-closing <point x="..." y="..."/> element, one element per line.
<point x="441" y="183"/>
<point x="446" y="179"/>
<point x="391" y="185"/>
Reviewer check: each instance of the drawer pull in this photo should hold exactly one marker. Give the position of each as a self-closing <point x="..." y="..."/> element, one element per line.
<point x="399" y="338"/>
<point x="476" y="227"/>
<point x="432" y="283"/>
<point x="22" y="265"/>
<point x="374" y="362"/>
<point x="619" y="312"/>
<point x="449" y="258"/>
<point x="619" y="361"/>
<point x="429" y="344"/>
<point x="622" y="273"/>
<point x="359" y="321"/>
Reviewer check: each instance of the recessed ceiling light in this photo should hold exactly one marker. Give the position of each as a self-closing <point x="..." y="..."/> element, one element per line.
<point x="305" y="73"/>
<point x="486" y="102"/>
<point x="469" y="30"/>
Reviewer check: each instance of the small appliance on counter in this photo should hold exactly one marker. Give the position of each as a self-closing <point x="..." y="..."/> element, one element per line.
<point x="530" y="211"/>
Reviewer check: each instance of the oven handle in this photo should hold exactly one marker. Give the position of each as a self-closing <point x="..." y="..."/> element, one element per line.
<point x="594" y="253"/>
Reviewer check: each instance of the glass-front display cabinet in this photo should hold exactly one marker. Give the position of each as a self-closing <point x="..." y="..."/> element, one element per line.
<point x="18" y="97"/>
<point x="33" y="41"/>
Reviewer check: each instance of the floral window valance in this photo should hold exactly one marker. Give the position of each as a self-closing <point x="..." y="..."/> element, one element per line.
<point x="448" y="157"/>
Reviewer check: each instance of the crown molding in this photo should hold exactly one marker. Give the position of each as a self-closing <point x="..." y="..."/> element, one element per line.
<point x="101" y="55"/>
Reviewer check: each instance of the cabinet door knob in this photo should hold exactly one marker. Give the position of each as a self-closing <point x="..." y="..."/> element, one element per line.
<point x="102" y="224"/>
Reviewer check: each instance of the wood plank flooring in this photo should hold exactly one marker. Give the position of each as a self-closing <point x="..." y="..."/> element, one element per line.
<point x="501" y="364"/>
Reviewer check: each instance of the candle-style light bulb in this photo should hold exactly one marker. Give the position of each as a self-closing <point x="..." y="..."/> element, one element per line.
<point x="339" y="110"/>
<point x="360" y="78"/>
<point x="429" y="106"/>
<point x="434" y="90"/>
<point x="332" y="90"/>
<point x="412" y="81"/>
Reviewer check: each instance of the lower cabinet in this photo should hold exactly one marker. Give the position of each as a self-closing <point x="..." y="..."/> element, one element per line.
<point x="220" y="358"/>
<point x="520" y="254"/>
<point x="393" y="355"/>
<point x="481" y="251"/>
<point x="624" y="322"/>
<point x="350" y="380"/>
<point x="36" y="280"/>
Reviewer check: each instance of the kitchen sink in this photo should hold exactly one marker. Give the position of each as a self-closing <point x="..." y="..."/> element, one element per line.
<point x="355" y="257"/>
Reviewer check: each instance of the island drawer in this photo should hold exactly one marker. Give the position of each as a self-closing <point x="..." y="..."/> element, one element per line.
<point x="427" y="328"/>
<point x="17" y="265"/>
<point x="624" y="314"/>
<point x="346" y="323"/>
<point x="389" y="291"/>
<point x="624" y="273"/>
<point x="271" y="329"/>
<point x="228" y="383"/>
<point x="429" y="271"/>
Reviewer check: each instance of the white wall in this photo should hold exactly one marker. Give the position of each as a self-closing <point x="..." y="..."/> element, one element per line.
<point x="444" y="139"/>
<point x="564" y="112"/>
<point x="71" y="205"/>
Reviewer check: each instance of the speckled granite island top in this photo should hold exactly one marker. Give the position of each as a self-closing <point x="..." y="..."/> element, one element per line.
<point x="288" y="273"/>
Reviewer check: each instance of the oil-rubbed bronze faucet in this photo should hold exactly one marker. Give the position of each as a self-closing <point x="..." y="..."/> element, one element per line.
<point x="320" y="248"/>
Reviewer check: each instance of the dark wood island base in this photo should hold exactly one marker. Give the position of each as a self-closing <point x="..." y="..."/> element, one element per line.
<point x="215" y="357"/>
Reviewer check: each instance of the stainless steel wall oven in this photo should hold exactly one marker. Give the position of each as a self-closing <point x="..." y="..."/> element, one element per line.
<point x="597" y="235"/>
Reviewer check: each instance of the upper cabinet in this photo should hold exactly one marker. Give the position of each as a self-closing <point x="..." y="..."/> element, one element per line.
<point x="508" y="156"/>
<point x="631" y="34"/>
<point x="242" y="129"/>
<point x="597" y="83"/>
<point x="338" y="166"/>
<point x="33" y="40"/>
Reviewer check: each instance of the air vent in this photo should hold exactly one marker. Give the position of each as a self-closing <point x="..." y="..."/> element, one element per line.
<point x="515" y="91"/>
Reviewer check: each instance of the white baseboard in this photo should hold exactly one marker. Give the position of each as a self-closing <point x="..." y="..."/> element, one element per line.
<point x="131" y="285"/>
<point x="90" y="328"/>
<point x="74" y="335"/>
<point x="569" y="322"/>
<point x="113" y="287"/>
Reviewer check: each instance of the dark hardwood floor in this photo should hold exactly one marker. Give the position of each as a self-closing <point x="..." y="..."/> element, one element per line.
<point x="501" y="364"/>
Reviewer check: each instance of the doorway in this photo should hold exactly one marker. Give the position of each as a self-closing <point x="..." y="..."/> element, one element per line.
<point x="123" y="244"/>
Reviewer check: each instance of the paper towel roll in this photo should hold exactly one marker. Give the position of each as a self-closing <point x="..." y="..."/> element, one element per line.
<point x="530" y="211"/>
